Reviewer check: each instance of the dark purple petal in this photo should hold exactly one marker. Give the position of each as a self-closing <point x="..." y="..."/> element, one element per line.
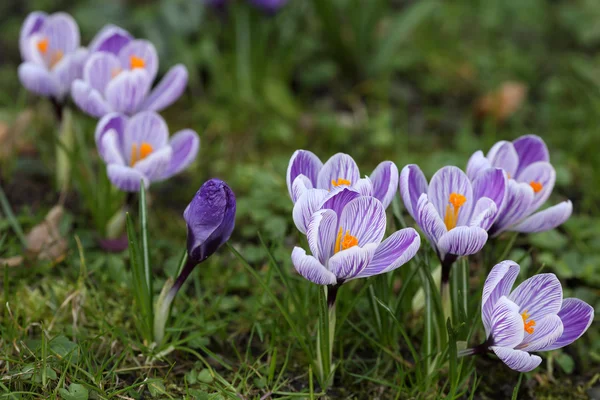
<point x="270" y="6"/>
<point x="393" y="252"/>
<point x="62" y="32"/>
<point x="498" y="283"/>
<point x="154" y="165"/>
<point x="339" y="166"/>
<point x="126" y="91"/>
<point x="429" y="220"/>
<point x="542" y="173"/>
<point x="143" y="49"/>
<point x="306" y="205"/>
<point x="462" y="241"/>
<point x="169" y="89"/>
<point x="311" y="269"/>
<point x="339" y="197"/>
<point x="545" y="220"/>
<point x="484" y="213"/>
<point x="38" y="80"/>
<point x="348" y="263"/>
<point x="110" y="39"/>
<point x="185" y="145"/>
<point x="412" y="185"/>
<point x="126" y="178"/>
<point x="477" y="163"/>
<point x="576" y="316"/>
<point x="145" y="127"/>
<point x="530" y="149"/>
<point x="100" y="69"/>
<point x="89" y="100"/>
<point x="321" y="234"/>
<point x="385" y="182"/>
<point x="450" y="180"/>
<point x="364" y="218"/>
<point x="503" y="155"/>
<point x="303" y="162"/>
<point x="507" y="324"/>
<point x="539" y="296"/>
<point x="545" y="333"/>
<point x="517" y="360"/>
<point x="210" y="218"/>
<point x="32" y="24"/>
<point x="491" y="183"/>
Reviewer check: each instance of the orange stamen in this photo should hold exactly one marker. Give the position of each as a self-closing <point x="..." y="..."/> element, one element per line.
<point x="42" y="46"/>
<point x="344" y="242"/>
<point x="56" y="57"/>
<point x="536" y="186"/>
<point x="144" y="151"/>
<point x="456" y="201"/>
<point x="115" y="72"/>
<point x="527" y="325"/>
<point x="340" y="181"/>
<point x="136" y="62"/>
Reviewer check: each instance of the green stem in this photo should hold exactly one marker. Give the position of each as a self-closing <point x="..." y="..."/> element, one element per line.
<point x="326" y="334"/>
<point x="64" y="146"/>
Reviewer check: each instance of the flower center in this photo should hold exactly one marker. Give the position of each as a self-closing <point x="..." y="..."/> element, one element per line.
<point x="536" y="186"/>
<point x="136" y="62"/>
<point x="456" y="202"/>
<point x="344" y="241"/>
<point x="139" y="154"/>
<point x="340" y="182"/>
<point x="42" y="46"/>
<point x="527" y="325"/>
<point x="115" y="72"/>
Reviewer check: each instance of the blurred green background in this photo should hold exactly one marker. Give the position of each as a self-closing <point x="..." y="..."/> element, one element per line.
<point x="423" y="81"/>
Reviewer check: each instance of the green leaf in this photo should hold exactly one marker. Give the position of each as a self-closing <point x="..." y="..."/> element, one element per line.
<point x="64" y="348"/>
<point x="75" y="392"/>
<point x="566" y="363"/>
<point x="156" y="388"/>
<point x="205" y="376"/>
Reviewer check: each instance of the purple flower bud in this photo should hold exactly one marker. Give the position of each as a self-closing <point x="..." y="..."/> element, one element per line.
<point x="210" y="218"/>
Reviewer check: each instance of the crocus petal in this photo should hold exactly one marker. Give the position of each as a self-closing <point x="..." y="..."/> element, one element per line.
<point x="306" y="205"/>
<point x="545" y="333"/>
<point x="321" y="234"/>
<point x="154" y="166"/>
<point x="507" y="324"/>
<point x="348" y="263"/>
<point x="112" y="121"/>
<point x="462" y="241"/>
<point x="490" y="183"/>
<point x="450" y="180"/>
<point x="385" y="182"/>
<point x="517" y="205"/>
<point x="111" y="152"/>
<point x="126" y="178"/>
<point x="517" y="360"/>
<point x="393" y="252"/>
<point x="429" y="220"/>
<point x="126" y="91"/>
<point x="484" y="213"/>
<point x="303" y="162"/>
<point x="145" y="127"/>
<point x="530" y="149"/>
<point x="32" y="24"/>
<point x="498" y="283"/>
<point x="110" y="39"/>
<point x="185" y="145"/>
<point x="543" y="173"/>
<point x="576" y="316"/>
<point x="300" y="185"/>
<point x="32" y="48"/>
<point x="69" y="68"/>
<point x="364" y="186"/>
<point x="143" y="49"/>
<point x="545" y="220"/>
<point x="477" y="163"/>
<point x="412" y="185"/>
<point x="89" y="100"/>
<point x="62" y="32"/>
<point x="539" y="295"/>
<point x="365" y="219"/>
<point x="503" y="155"/>
<point x="100" y="69"/>
<point x="339" y="166"/>
<point x="168" y="90"/>
<point x="311" y="269"/>
<point x="339" y="197"/>
<point x="38" y="80"/>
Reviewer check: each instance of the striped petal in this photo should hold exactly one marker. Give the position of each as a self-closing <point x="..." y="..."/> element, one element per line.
<point x="126" y="178"/>
<point x="311" y="269"/>
<point x="62" y="32"/>
<point x="576" y="316"/>
<point x="541" y="173"/>
<point x="306" y="205"/>
<point x="385" y="182"/>
<point x="321" y="234"/>
<point x="530" y="149"/>
<point x="503" y="155"/>
<point x="340" y="166"/>
<point x="365" y="219"/>
<point x="32" y="24"/>
<point x="145" y="127"/>
<point x="545" y="220"/>
<point x="545" y="333"/>
<point x="517" y="205"/>
<point x="185" y="145"/>
<point x="143" y="49"/>
<point x="110" y="39"/>
<point x="38" y="80"/>
<point x="155" y="165"/>
<point x="539" y="296"/>
<point x="89" y="100"/>
<point x="393" y="252"/>
<point x="100" y="69"/>
<point x="412" y="185"/>
<point x="450" y="180"/>
<point x="339" y="197"/>
<point x="300" y="185"/>
<point x="517" y="360"/>
<point x="507" y="324"/>
<point x="498" y="283"/>
<point x="429" y="220"/>
<point x="462" y="241"/>
<point x="303" y="162"/>
<point x="348" y="263"/>
<point x="127" y="90"/>
<point x="170" y="88"/>
<point x="484" y="213"/>
<point x="477" y="164"/>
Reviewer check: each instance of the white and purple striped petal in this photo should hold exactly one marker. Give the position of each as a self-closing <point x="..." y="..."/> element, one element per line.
<point x="32" y="24"/>
<point x="546" y="332"/>
<point x="539" y="173"/>
<point x="89" y="99"/>
<point x="484" y="213"/>
<point x="498" y="283"/>
<point x="185" y="145"/>
<point x="576" y="316"/>
<point x="110" y="39"/>
<point x="477" y="164"/>
<point x="530" y="149"/>
<point x="412" y="185"/>
<point x="393" y="252"/>
<point x="306" y="205"/>
<point x="100" y="69"/>
<point x="545" y="220"/>
<point x="385" y="182"/>
<point x="127" y="90"/>
<point x="310" y="268"/>
<point x="300" y="185"/>
<point x="339" y="167"/>
<point x="62" y="32"/>
<point x="503" y="155"/>
<point x="517" y="205"/>
<point x="429" y="220"/>
<point x="169" y="89"/>
<point x="140" y="49"/>
<point x="450" y="180"/>
<point x="517" y="360"/>
<point x="349" y="263"/>
<point x="339" y="197"/>
<point x="365" y="219"/>
<point x="37" y="79"/>
<point x="321" y="234"/>
<point x="126" y="178"/>
<point x="303" y="162"/>
<point x="506" y="328"/>
<point x="490" y="183"/>
<point x="462" y="241"/>
<point x="539" y="296"/>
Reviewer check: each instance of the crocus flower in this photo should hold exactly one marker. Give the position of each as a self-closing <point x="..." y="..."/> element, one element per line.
<point x="533" y="317"/>
<point x="306" y="171"/>
<point x="52" y="57"/>
<point x="270" y="6"/>
<point x="345" y="239"/>
<point x="453" y="212"/>
<point x="139" y="149"/>
<point x="118" y="76"/>
<point x="531" y="180"/>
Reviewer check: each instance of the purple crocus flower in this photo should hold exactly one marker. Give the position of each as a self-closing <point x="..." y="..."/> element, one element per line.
<point x="453" y="212"/>
<point x="306" y="171"/>
<point x="139" y="149"/>
<point x="531" y="180"/>
<point x="118" y="76"/>
<point x="270" y="6"/>
<point x="52" y="57"/>
<point x="345" y="239"/>
<point x="533" y="317"/>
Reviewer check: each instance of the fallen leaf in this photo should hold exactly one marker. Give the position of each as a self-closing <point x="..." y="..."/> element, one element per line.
<point x="44" y="241"/>
<point x="503" y="102"/>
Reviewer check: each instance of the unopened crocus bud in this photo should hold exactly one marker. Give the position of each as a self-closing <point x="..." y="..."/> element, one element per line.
<point x="210" y="219"/>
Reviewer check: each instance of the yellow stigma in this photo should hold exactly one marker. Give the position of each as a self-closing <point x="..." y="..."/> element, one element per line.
<point x="144" y="151"/>
<point x="456" y="202"/>
<point x="42" y="46"/>
<point x="340" y="182"/>
<point x="343" y="242"/>
<point x="136" y="62"/>
<point x="536" y="186"/>
<point x="56" y="57"/>
<point x="527" y="325"/>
